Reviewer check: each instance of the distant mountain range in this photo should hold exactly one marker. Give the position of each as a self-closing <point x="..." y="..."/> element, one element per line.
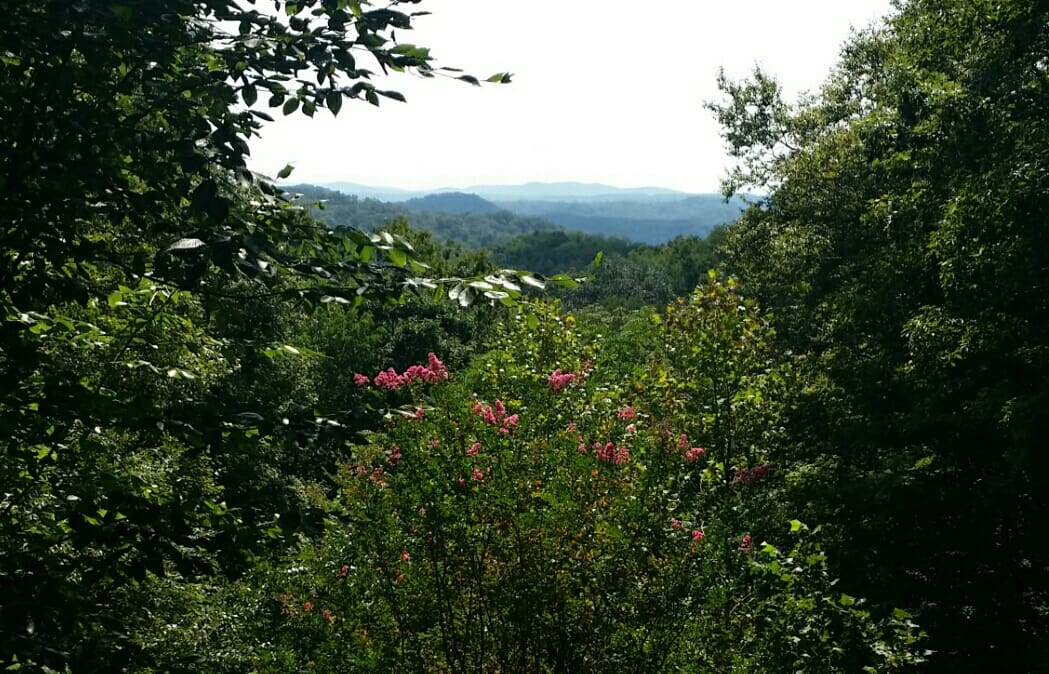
<point x="534" y="191"/>
<point x="647" y="215"/>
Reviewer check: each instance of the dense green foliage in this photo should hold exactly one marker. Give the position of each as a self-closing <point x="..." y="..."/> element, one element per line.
<point x="565" y="529"/>
<point x="154" y="418"/>
<point x="234" y="438"/>
<point x="451" y="202"/>
<point x="904" y="250"/>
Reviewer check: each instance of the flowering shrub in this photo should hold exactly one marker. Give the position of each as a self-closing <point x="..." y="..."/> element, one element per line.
<point x="577" y="523"/>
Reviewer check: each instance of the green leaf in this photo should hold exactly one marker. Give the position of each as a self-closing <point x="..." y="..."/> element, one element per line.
<point x="285" y="172"/>
<point x="397" y="257"/>
<point x="795" y="526"/>
<point x="250" y="94"/>
<point x="334" y="101"/>
<point x="290" y="106"/>
<point x="563" y="280"/>
<point x="530" y="280"/>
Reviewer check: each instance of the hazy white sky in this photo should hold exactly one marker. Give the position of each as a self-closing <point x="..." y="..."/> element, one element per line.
<point x="605" y="91"/>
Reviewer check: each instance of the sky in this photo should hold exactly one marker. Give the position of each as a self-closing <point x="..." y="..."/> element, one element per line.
<point x="605" y="91"/>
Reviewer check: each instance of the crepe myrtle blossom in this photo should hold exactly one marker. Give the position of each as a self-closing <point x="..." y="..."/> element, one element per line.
<point x="694" y="453"/>
<point x="609" y="453"/>
<point x="751" y="476"/>
<point x="559" y="380"/>
<point x="390" y="379"/>
<point x="495" y="415"/>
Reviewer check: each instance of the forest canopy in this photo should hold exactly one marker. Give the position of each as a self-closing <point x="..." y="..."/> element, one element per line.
<point x="233" y="438"/>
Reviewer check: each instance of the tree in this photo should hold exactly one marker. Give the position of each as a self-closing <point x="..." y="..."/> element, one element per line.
<point x="144" y="280"/>
<point x="902" y="250"/>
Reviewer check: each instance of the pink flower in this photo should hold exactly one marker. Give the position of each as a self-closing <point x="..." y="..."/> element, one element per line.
<point x="558" y="380"/>
<point x="398" y="576"/>
<point x="307" y="606"/>
<point x="421" y="511"/>
<point x="478" y="475"/>
<point x="473" y="449"/>
<point x="571" y="427"/>
<point x="751" y="476"/>
<point x="361" y="380"/>
<point x="477" y="409"/>
<point x="697" y="535"/>
<point x="437" y="366"/>
<point x="744" y="545"/>
<point x="682" y="441"/>
<point x="694" y="453"/>
<point x="389" y="380"/>
<point x="326" y="614"/>
<point x="418" y="413"/>
<point x="344" y="570"/>
<point x="631" y="428"/>
<point x="405" y="557"/>
<point x="462" y="481"/>
<point x="582" y="448"/>
<point x="627" y="413"/>
<point x="675" y="523"/>
<point x="435" y="443"/>
<point x="511" y="421"/>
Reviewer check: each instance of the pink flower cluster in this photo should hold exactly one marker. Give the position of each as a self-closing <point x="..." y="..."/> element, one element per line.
<point x="497" y="416"/>
<point x="376" y="475"/>
<point x="432" y="373"/>
<point x="694" y="453"/>
<point x="745" y="544"/>
<point x="559" y="380"/>
<point x="751" y="476"/>
<point x="628" y="412"/>
<point x="394" y="456"/>
<point x="609" y="453"/>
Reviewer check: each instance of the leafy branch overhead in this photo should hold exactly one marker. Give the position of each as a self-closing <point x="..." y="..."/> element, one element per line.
<point x="147" y="280"/>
